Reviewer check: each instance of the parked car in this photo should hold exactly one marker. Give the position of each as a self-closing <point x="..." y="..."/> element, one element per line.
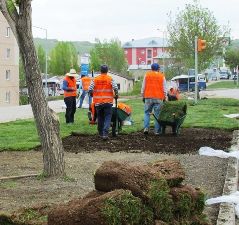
<point x="224" y="75"/>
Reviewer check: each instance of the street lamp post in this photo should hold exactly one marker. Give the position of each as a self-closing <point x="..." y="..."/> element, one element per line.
<point x="46" y="85"/>
<point x="163" y="47"/>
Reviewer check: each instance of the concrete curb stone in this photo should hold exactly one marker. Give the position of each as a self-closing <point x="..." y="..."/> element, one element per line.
<point x="226" y="214"/>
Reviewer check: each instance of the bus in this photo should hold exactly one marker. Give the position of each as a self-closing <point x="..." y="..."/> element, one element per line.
<point x="187" y="82"/>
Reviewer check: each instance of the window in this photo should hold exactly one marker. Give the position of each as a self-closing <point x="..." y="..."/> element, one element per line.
<point x="8" y="32"/>
<point x="7" y="74"/>
<point x="8" y="53"/>
<point x="149" y="53"/>
<point x="7" y="97"/>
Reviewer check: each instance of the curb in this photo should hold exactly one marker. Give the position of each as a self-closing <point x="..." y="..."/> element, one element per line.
<point x="226" y="214"/>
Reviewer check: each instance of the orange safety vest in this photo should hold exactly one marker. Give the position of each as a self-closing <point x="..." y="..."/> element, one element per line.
<point x="103" y="92"/>
<point x="72" y="84"/>
<point x="85" y="83"/>
<point x="154" y="85"/>
<point x="174" y="92"/>
<point x="124" y="108"/>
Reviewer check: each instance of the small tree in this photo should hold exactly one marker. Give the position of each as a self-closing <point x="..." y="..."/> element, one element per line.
<point x="194" y="21"/>
<point x="232" y="58"/>
<point x="20" y="21"/>
<point x="110" y="53"/>
<point x="63" y="57"/>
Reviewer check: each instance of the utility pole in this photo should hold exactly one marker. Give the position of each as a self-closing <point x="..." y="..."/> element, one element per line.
<point x="46" y="86"/>
<point x="200" y="45"/>
<point x="196" y="70"/>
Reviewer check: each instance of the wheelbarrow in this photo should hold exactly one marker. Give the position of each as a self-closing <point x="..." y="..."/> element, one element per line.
<point x="118" y="116"/>
<point x="172" y="114"/>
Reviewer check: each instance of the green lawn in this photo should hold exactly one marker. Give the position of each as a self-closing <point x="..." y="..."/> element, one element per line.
<point x="223" y="84"/>
<point x="208" y="113"/>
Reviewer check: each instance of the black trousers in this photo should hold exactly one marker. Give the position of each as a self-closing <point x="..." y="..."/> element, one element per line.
<point x="70" y="108"/>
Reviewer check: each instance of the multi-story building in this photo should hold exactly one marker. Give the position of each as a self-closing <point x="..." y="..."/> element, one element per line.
<point x="9" y="65"/>
<point x="140" y="54"/>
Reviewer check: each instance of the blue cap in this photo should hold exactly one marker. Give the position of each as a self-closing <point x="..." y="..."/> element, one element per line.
<point x="155" y="66"/>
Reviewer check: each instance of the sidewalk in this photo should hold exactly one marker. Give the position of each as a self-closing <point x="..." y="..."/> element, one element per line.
<point x="12" y="113"/>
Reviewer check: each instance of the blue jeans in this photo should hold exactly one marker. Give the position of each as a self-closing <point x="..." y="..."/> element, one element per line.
<point x="104" y="113"/>
<point x="149" y="106"/>
<point x="82" y="97"/>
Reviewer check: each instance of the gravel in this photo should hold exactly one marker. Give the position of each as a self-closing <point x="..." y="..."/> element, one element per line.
<point x="208" y="173"/>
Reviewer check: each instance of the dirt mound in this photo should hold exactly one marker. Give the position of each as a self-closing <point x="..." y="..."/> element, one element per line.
<point x="134" y="195"/>
<point x="113" y="175"/>
<point x="188" y="141"/>
<point x="97" y="210"/>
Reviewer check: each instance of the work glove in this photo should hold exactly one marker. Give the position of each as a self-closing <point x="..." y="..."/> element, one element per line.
<point x="143" y="99"/>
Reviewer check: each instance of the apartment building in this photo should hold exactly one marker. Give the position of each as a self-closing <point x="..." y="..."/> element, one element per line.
<point x="9" y="66"/>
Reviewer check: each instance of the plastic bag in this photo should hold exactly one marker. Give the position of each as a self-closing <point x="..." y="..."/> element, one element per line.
<point x="219" y="153"/>
<point x="232" y="198"/>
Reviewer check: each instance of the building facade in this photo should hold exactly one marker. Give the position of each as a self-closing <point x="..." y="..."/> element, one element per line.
<point x="140" y="54"/>
<point x="9" y="66"/>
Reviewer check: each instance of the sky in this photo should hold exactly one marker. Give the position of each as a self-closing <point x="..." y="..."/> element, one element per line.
<point x="86" y="20"/>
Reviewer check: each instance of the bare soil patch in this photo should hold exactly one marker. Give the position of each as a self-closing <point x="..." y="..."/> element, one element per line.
<point x="188" y="141"/>
<point x="85" y="153"/>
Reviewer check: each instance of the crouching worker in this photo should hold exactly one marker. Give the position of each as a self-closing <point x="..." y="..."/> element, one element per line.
<point x="173" y="94"/>
<point x="124" y="108"/>
<point x="103" y="89"/>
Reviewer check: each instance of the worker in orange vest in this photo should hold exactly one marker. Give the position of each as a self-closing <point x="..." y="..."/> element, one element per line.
<point x="70" y="92"/>
<point x="154" y="92"/>
<point x="85" y="83"/>
<point x="173" y="94"/>
<point x="103" y="89"/>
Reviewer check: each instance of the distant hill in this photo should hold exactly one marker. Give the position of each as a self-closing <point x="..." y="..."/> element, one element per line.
<point x="81" y="46"/>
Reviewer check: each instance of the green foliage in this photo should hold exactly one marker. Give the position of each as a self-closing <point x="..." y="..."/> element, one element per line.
<point x="190" y="22"/>
<point x="41" y="54"/>
<point x="223" y="84"/>
<point x="199" y="203"/>
<point x="22" y="76"/>
<point x="173" y="110"/>
<point x="232" y="58"/>
<point x="11" y="5"/>
<point x="68" y="179"/>
<point x="110" y="53"/>
<point x="126" y="209"/>
<point x="63" y="58"/>
<point x="136" y="89"/>
<point x="160" y="199"/>
<point x="23" y="99"/>
<point x="31" y="214"/>
<point x="42" y="176"/>
<point x="8" y="184"/>
<point x="184" y="205"/>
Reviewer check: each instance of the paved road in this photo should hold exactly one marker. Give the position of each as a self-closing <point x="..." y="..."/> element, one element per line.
<point x="12" y="113"/>
<point x="221" y="93"/>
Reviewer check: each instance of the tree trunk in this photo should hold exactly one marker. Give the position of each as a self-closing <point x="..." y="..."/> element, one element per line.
<point x="47" y="121"/>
